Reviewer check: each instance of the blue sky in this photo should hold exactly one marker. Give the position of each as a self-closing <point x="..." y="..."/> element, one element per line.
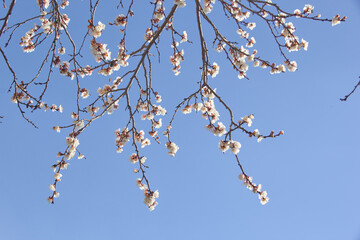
<point x="310" y="173"/>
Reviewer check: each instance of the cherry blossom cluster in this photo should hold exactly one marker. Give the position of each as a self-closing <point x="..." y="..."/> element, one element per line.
<point x="150" y="197"/>
<point x="96" y="31"/>
<point x="172" y="148"/>
<point x="120" y="20"/>
<point x="64" y="4"/>
<point x="219" y="130"/>
<point x="234" y="146"/>
<point x="158" y="14"/>
<point x="178" y="56"/>
<point x="148" y="36"/>
<point x="134" y="159"/>
<point x="208" y="109"/>
<point x="275" y="17"/>
<point x="92" y="110"/>
<point x="236" y="11"/>
<point x="99" y="51"/>
<point x="27" y="41"/>
<point x="247" y="181"/>
<point x="56" y="22"/>
<point x="64" y="68"/>
<point x="140" y="138"/>
<point x="64" y="21"/>
<point x="175" y="60"/>
<point x="124" y="136"/>
<point x="22" y="97"/>
<point x="156" y="110"/>
<point x="72" y="143"/>
<point x="337" y="20"/>
<point x="215" y="68"/>
<point x="122" y="57"/>
<point x="43" y="3"/>
<point x="86" y="71"/>
<point x="207" y="5"/>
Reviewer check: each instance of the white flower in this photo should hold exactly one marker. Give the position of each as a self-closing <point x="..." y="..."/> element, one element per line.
<point x="247" y="120"/>
<point x="224" y="146"/>
<point x="61" y="50"/>
<point x="335" y="20"/>
<point x="52" y="187"/>
<point x="72" y="142"/>
<point x="42" y="105"/>
<point x="152" y="207"/>
<point x="297" y="12"/>
<point x="251" y="42"/>
<point x="197" y="106"/>
<point x="172" y="147"/>
<point x="145" y="142"/>
<point x="133" y="158"/>
<point x="156" y="194"/>
<point x="157" y="124"/>
<point x="292" y="66"/>
<point x="84" y="93"/>
<point x="264" y="200"/>
<point x="96" y="31"/>
<point x="78" y="124"/>
<point x="186" y="109"/>
<point x="180" y="3"/>
<point x="220" y="47"/>
<point x="57" y="176"/>
<point x="143" y="159"/>
<point x="251" y="25"/>
<point x="215" y="70"/>
<point x="71" y="153"/>
<point x="158" y="98"/>
<point x="56" y="128"/>
<point x="263" y="194"/>
<point x="207" y="5"/>
<point x="148" y="36"/>
<point x="220" y="129"/>
<point x="242" y="177"/>
<point x="234" y="146"/>
<point x="184" y="37"/>
<point x="304" y="44"/>
<point x="120" y="20"/>
<point x="140" y="184"/>
<point x="56" y="194"/>
<point x="308" y="9"/>
<point x="281" y="68"/>
<point x="44" y="3"/>
<point x="149" y="200"/>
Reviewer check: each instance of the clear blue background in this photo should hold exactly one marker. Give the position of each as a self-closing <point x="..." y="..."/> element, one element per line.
<point x="311" y="173"/>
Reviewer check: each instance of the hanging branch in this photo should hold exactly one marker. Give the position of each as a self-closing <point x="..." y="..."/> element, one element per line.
<point x="7" y="16"/>
<point x="347" y="96"/>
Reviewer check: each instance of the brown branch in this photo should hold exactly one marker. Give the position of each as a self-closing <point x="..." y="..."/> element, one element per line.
<point x="346" y="97"/>
<point x="6" y="19"/>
